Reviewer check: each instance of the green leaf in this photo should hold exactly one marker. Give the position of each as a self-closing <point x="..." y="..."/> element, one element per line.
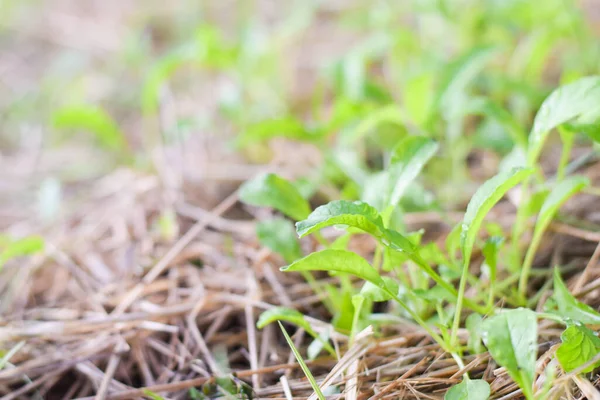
<point x="579" y="346"/>
<point x="292" y="316"/>
<point x="373" y="292"/>
<point x="469" y="389"/>
<point x="309" y="375"/>
<point x="408" y="159"/>
<point x="511" y="338"/>
<point x="152" y="395"/>
<point x="337" y="261"/>
<point x="482" y="202"/>
<point x="577" y="99"/>
<point x="279" y="235"/>
<point x="21" y="247"/>
<point x="355" y="214"/>
<point x="270" y="190"/>
<point x="289" y="127"/>
<point x="459" y="74"/>
<point x="94" y="120"/>
<point x="559" y="194"/>
<point x="569" y="307"/>
<point x="418" y="97"/>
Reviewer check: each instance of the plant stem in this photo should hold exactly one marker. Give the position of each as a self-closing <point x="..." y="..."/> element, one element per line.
<point x="420" y="321"/>
<point x="459" y="302"/>
<point x="567" y="139"/>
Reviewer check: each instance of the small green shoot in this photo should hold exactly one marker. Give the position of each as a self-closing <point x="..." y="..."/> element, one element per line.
<point x="92" y="119"/>
<point x="481" y="203"/>
<point x="307" y="373"/>
<point x="21" y="247"/>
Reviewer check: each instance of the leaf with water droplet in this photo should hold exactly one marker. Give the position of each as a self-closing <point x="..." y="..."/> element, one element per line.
<point x="356" y="214"/>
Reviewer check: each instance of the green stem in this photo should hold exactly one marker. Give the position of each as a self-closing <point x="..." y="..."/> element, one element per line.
<point x="518" y="228"/>
<point x="459" y="302"/>
<point x="440" y="281"/>
<point x="567" y="140"/>
<point x="420" y="321"/>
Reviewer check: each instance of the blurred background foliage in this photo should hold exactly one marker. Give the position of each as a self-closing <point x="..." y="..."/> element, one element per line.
<point x="203" y="90"/>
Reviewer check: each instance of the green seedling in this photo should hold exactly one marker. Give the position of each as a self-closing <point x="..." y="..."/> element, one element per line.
<point x="559" y="194"/>
<point x="481" y="203"/>
<point x="20" y="247"/>
<point x="294" y="317"/>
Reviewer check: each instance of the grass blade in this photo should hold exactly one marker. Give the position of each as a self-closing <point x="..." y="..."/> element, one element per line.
<point x="309" y="376"/>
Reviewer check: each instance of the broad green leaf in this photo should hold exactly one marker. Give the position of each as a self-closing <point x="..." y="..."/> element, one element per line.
<point x="568" y="307"/>
<point x="279" y="235"/>
<point x="270" y="190"/>
<point x="577" y="99"/>
<point x="355" y="214"/>
<point x="94" y="120"/>
<point x="579" y="346"/>
<point x="559" y="194"/>
<point x="469" y="389"/>
<point x="373" y="292"/>
<point x="337" y="261"/>
<point x="408" y="158"/>
<point x="21" y="247"/>
<point x="309" y="375"/>
<point x="482" y="202"/>
<point x="511" y="338"/>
